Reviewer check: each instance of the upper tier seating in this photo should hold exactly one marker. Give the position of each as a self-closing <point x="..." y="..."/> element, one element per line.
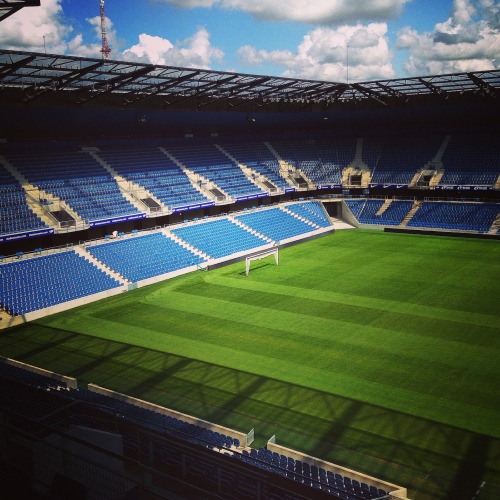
<point x="322" y="161"/>
<point x="397" y="160"/>
<point x="456" y="216"/>
<point x="219" y="238"/>
<point x="335" y="155"/>
<point x="156" y="172"/>
<point x="212" y="164"/>
<point x="40" y="282"/>
<point x="471" y="160"/>
<point x="275" y="224"/>
<point x="312" y="211"/>
<point x="15" y="215"/>
<point x="258" y="157"/>
<point x="78" y="179"/>
<point x="143" y="257"/>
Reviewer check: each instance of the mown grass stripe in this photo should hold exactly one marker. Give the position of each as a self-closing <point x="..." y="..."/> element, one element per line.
<point x="378" y="304"/>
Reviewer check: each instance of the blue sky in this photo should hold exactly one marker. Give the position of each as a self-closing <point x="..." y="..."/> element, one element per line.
<point x="312" y="39"/>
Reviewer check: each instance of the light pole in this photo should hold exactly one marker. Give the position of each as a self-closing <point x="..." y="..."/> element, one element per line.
<point x="347" y="62"/>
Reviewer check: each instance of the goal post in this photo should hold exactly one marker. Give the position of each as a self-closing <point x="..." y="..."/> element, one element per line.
<point x="259" y="256"/>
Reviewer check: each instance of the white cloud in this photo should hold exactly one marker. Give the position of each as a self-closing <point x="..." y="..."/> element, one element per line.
<point x="45" y="28"/>
<point x="469" y="40"/>
<point x="36" y="28"/>
<point x="78" y="48"/>
<point x="324" y="53"/>
<point x="190" y="4"/>
<point x="322" y="12"/>
<point x="196" y="51"/>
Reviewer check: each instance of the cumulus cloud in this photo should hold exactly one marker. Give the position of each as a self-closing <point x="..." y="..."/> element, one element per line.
<point x="45" y="28"/>
<point x="321" y="12"/>
<point x="36" y="28"/>
<point x="325" y="53"/>
<point x="469" y="40"/>
<point x="76" y="46"/>
<point x="196" y="51"/>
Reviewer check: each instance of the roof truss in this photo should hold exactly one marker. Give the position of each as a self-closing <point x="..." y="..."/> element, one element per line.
<point x="85" y="79"/>
<point x="9" y="7"/>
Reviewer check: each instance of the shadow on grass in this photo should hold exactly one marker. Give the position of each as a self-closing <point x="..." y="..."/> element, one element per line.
<point x="433" y="460"/>
<point x="255" y="267"/>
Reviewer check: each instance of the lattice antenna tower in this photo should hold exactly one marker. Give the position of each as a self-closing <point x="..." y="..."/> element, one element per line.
<point x="105" y="50"/>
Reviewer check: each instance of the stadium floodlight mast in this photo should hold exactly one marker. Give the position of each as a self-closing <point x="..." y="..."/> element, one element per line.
<point x="105" y="50"/>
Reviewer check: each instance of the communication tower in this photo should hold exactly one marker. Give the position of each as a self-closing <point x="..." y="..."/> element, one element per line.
<point x="105" y="50"/>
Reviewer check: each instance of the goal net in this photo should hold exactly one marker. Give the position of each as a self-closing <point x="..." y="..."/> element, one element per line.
<point x="260" y="256"/>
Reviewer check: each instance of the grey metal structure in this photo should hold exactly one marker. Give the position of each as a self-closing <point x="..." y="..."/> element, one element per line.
<point x="9" y="7"/>
<point x="27" y="77"/>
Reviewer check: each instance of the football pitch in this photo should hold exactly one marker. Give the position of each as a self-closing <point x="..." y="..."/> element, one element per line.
<point x="376" y="351"/>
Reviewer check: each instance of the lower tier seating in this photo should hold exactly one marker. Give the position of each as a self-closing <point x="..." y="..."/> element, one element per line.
<point x="312" y="211"/>
<point x="275" y="223"/>
<point x="143" y="257"/>
<point x="219" y="238"/>
<point x="456" y="216"/>
<point x="44" y="281"/>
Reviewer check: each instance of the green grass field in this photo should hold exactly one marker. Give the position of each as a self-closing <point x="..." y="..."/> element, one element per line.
<point x="377" y="351"/>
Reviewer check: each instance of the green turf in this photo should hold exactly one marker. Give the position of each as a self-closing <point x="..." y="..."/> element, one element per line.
<point x="377" y="351"/>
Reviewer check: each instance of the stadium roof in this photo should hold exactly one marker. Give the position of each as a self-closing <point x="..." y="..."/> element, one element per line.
<point x="31" y="77"/>
<point x="9" y="7"/>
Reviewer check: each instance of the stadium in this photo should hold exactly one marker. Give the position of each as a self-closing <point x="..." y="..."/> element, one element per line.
<point x="224" y="285"/>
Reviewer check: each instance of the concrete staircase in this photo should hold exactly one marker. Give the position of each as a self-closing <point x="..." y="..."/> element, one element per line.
<point x="195" y="180"/>
<point x="249" y="229"/>
<point x="436" y="179"/>
<point x="81" y="251"/>
<point x="252" y="175"/>
<point x="435" y="167"/>
<point x="438" y="159"/>
<point x="357" y="162"/>
<point x="126" y="187"/>
<point x="411" y="213"/>
<point x="357" y="167"/>
<point x="306" y="221"/>
<point x="384" y="207"/>
<point x="287" y="170"/>
<point x="34" y="194"/>
<point x="495" y="226"/>
<point x="169" y="234"/>
<point x="5" y="317"/>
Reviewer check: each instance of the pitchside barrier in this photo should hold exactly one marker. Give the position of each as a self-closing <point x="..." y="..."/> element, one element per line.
<point x="69" y="381"/>
<point x="245" y="439"/>
<point x="261" y="255"/>
<point x="393" y="491"/>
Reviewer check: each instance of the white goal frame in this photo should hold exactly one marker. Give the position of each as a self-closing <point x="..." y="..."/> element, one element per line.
<point x="261" y="255"/>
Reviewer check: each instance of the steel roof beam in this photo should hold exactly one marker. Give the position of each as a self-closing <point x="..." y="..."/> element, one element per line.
<point x="430" y="86"/>
<point x="389" y="90"/>
<point x="159" y="88"/>
<point x="8" y="8"/>
<point x="485" y="87"/>
<point x="61" y="82"/>
<point x="117" y="82"/>
<point x="368" y="92"/>
<point x="132" y="82"/>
